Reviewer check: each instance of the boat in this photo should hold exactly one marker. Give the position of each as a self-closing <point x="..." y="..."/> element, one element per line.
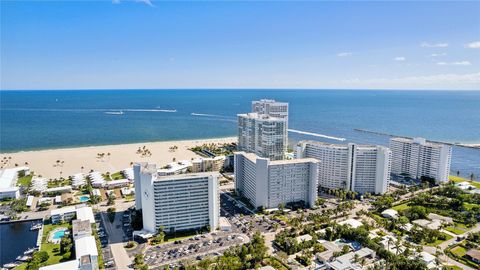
<point x="37" y="226"/>
<point x="29" y="251"/>
<point x="115" y="113"/>
<point x="23" y="258"/>
<point x="10" y="265"/>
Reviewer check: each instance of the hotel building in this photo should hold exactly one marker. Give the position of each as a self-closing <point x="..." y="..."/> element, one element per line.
<point x="417" y="157"/>
<point x="268" y="183"/>
<point x="176" y="202"/>
<point x="263" y="135"/>
<point x="360" y="168"/>
<point x="212" y="164"/>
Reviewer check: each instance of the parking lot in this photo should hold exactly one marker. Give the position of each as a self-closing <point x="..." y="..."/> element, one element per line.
<point x="195" y="247"/>
<point x="102" y="234"/>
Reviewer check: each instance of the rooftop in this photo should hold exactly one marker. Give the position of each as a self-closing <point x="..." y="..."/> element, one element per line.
<point x="474" y="253"/>
<point x="85" y="213"/>
<point x="81" y="226"/>
<point x="253" y="158"/>
<point x="352" y="222"/>
<point x="186" y="176"/>
<point x="8" y="176"/>
<point x="85" y="246"/>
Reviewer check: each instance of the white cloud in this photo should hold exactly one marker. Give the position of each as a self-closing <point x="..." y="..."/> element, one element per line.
<point x="437" y="81"/>
<point x="146" y="2"/>
<point x="473" y="45"/>
<point x="437" y="54"/>
<point x="399" y="58"/>
<point x="458" y="63"/>
<point x="434" y="45"/>
<point x="344" y="54"/>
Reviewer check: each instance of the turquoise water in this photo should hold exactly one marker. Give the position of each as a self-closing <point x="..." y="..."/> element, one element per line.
<point x="58" y="234"/>
<point x="84" y="198"/>
<point x="54" y="119"/>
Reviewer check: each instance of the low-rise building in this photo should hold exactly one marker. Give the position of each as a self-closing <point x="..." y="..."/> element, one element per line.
<point x="473" y="255"/>
<point x="96" y="179"/>
<point x="390" y="213"/>
<point x="68" y="213"/>
<point x="224" y="224"/>
<point x="78" y="180"/>
<point x="117" y="183"/>
<point x="348" y="261"/>
<point x="81" y="228"/>
<point x="8" y="182"/>
<point x="352" y="223"/>
<point x="39" y="184"/>
<point x="63" y="214"/>
<point x="58" y="190"/>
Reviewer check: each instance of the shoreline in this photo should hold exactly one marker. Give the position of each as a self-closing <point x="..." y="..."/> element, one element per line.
<point x="115" y="157"/>
<point x="115" y="144"/>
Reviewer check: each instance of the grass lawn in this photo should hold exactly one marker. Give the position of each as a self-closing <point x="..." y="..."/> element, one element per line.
<point x="438" y="241"/>
<point x="453" y="267"/>
<point x="457" y="179"/>
<point x="129" y="198"/>
<point x="469" y="206"/>
<point x="400" y="207"/>
<point x="25" y="181"/>
<point x="22" y="266"/>
<point x="55" y="257"/>
<point x="117" y="176"/>
<point x="455" y="230"/>
<point x="459" y="251"/>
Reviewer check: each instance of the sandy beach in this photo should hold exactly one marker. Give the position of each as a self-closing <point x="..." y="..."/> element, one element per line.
<point x="43" y="162"/>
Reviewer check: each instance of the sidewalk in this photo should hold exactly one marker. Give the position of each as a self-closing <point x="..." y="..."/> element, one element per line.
<point x="122" y="260"/>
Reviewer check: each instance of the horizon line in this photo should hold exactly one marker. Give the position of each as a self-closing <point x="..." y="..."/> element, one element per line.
<point x="236" y="89"/>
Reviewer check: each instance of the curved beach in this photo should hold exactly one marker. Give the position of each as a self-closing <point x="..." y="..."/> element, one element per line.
<point x="43" y="162"/>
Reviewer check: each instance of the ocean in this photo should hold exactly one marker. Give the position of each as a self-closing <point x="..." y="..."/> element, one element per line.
<point x="31" y="120"/>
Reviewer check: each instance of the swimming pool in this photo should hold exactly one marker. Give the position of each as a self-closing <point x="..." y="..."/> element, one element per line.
<point x="58" y="234"/>
<point x="84" y="198"/>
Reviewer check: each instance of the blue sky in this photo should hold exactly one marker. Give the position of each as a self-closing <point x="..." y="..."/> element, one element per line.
<point x="240" y="44"/>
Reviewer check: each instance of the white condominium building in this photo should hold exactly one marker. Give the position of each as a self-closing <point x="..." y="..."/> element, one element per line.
<point x="176" y="202"/>
<point x="271" y="107"/>
<point x="360" y="168"/>
<point x="268" y="183"/>
<point x="417" y="157"/>
<point x="263" y="135"/>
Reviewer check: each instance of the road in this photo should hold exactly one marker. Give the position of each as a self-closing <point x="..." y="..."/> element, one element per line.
<point x="449" y="242"/>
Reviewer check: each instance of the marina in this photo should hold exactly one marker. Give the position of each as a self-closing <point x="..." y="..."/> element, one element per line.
<point x="26" y="234"/>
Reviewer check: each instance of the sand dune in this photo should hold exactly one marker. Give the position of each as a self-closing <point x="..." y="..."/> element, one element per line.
<point x="43" y="162"/>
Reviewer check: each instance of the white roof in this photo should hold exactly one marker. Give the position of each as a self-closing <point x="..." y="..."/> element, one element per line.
<point x="223" y="222"/>
<point x="128" y="173"/>
<point x="8" y="176"/>
<point x="305" y="237"/>
<point x="70" y="265"/>
<point x="62" y="188"/>
<point x="85" y="213"/>
<point x="426" y="257"/>
<point x="85" y="246"/>
<point x="63" y="210"/>
<point x="116" y="182"/>
<point x="29" y="200"/>
<point x="175" y="167"/>
<point x="96" y="192"/>
<point x="390" y="213"/>
<point x="352" y="222"/>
